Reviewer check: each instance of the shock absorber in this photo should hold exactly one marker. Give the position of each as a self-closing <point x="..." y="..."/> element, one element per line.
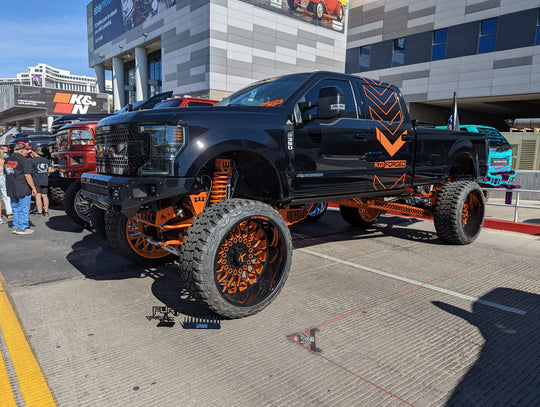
<point x="220" y="180"/>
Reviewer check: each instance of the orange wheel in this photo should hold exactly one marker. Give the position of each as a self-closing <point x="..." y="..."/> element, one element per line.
<point x="359" y="217"/>
<point x="136" y="237"/>
<point x="242" y="257"/>
<point x="369" y="215"/>
<point x="128" y="238"/>
<point x="236" y="256"/>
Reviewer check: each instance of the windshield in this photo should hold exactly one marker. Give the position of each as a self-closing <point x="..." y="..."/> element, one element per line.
<point x="134" y="106"/>
<point x="269" y="92"/>
<point x="495" y="138"/>
<point x="168" y="103"/>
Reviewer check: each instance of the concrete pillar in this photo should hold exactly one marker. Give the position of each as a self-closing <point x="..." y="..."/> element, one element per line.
<point x="50" y="119"/>
<point x="37" y="124"/>
<point x="118" y="83"/>
<point x="141" y="73"/>
<point x="18" y="126"/>
<point x="100" y="78"/>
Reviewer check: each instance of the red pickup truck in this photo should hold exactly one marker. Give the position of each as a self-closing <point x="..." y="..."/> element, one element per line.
<point x="75" y="154"/>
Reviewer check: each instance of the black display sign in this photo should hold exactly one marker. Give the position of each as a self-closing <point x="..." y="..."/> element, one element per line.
<point x="111" y="18"/>
<point x="60" y="102"/>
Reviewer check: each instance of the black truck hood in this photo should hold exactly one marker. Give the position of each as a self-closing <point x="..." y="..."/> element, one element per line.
<point x="208" y="114"/>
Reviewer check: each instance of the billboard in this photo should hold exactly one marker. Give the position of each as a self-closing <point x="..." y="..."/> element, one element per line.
<point x="59" y="102"/>
<point x="325" y="13"/>
<point x="111" y="18"/>
<point x="36" y="80"/>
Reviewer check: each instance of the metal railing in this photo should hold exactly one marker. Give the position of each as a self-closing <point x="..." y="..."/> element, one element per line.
<point x="509" y="199"/>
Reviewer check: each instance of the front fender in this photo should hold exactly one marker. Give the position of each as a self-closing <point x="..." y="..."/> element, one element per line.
<point x="201" y="150"/>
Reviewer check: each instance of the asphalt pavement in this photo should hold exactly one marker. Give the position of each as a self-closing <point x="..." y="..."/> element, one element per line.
<point x="385" y="316"/>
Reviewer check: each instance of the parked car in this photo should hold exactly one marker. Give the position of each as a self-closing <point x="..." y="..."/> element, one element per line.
<point x="321" y="7"/>
<point x="34" y="139"/>
<point x="184" y="101"/>
<point x="500" y="172"/>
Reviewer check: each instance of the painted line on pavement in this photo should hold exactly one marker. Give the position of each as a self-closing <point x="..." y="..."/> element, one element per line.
<point x="8" y="399"/>
<point x="417" y="284"/>
<point x="32" y="383"/>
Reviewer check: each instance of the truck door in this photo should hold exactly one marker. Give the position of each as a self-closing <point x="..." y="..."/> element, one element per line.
<point x="392" y="158"/>
<point x="330" y="154"/>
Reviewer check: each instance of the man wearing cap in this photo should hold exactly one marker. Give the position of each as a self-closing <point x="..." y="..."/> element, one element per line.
<point x="20" y="188"/>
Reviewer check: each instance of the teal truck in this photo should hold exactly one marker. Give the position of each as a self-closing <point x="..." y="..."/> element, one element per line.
<point x="500" y="173"/>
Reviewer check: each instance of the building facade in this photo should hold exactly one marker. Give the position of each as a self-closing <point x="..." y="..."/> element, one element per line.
<point x="210" y="48"/>
<point x="43" y="75"/>
<point x="488" y="51"/>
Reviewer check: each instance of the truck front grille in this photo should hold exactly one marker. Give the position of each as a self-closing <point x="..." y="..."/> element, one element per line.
<point x="121" y="149"/>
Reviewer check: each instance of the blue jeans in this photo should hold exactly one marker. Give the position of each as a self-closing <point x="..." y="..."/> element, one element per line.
<point x="21" y="211"/>
<point x="3" y="195"/>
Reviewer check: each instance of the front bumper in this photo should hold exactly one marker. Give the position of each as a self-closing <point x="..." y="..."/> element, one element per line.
<point x="125" y="193"/>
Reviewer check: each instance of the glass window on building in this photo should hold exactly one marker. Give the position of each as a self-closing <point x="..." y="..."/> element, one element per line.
<point x="538" y="29"/>
<point x="365" y="58"/>
<point x="488" y="35"/>
<point x="130" y="93"/>
<point x="154" y="73"/>
<point x="398" y="56"/>
<point x="438" y="50"/>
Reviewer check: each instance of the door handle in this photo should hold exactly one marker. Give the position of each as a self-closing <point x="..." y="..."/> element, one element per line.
<point x="406" y="137"/>
<point x="360" y="136"/>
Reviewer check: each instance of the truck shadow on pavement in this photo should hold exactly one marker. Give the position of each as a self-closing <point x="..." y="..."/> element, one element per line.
<point x="95" y="259"/>
<point x="506" y="372"/>
<point x="332" y="229"/>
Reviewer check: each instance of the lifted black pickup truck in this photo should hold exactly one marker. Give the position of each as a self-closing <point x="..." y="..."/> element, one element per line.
<point x="217" y="186"/>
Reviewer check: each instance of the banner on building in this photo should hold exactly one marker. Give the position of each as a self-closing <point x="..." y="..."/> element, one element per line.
<point x="36" y="80"/>
<point x="324" y="13"/>
<point x="112" y="18"/>
<point x="59" y="102"/>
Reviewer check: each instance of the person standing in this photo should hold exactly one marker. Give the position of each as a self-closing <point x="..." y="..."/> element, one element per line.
<point x="41" y="167"/>
<point x="3" y="192"/>
<point x="20" y="188"/>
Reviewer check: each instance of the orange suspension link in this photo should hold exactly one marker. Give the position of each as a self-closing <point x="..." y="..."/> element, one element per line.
<point x="220" y="180"/>
<point x="382" y="205"/>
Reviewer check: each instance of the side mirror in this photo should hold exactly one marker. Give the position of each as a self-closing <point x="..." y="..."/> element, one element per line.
<point x="331" y="103"/>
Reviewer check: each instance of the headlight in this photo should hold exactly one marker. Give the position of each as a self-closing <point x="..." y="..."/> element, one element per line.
<point x="165" y="143"/>
<point x="82" y="137"/>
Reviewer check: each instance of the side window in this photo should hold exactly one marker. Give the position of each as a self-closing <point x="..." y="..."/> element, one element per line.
<point x="381" y="103"/>
<point x="199" y="104"/>
<point x="344" y="87"/>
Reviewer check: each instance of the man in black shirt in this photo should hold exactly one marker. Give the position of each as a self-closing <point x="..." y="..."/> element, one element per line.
<point x="20" y="188"/>
<point x="40" y="173"/>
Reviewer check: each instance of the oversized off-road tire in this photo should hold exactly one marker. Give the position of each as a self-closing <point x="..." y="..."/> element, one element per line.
<point x="57" y="186"/>
<point x="340" y="12"/>
<point x="317" y="212"/>
<point x="459" y="212"/>
<point x="128" y="238"/>
<point x="319" y="10"/>
<point x="359" y="217"/>
<point x="292" y="4"/>
<point x="236" y="257"/>
<point x="77" y="208"/>
<point x="97" y="218"/>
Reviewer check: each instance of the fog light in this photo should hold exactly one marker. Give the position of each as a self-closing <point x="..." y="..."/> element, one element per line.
<point x="115" y="193"/>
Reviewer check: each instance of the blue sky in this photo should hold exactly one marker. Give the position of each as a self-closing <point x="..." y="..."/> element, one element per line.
<point x="49" y="31"/>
